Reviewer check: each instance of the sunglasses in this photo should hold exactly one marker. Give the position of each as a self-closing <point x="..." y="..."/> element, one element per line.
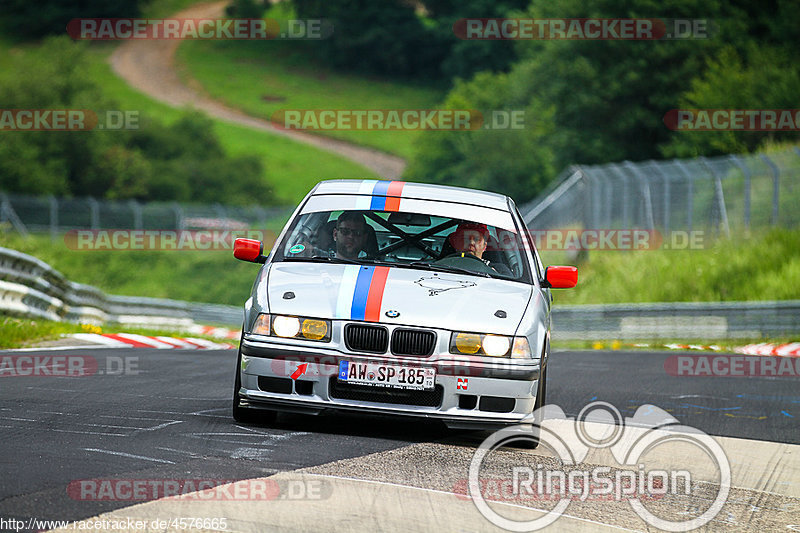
<point x="347" y="232"/>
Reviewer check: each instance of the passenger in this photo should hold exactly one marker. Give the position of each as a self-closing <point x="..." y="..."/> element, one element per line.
<point x="470" y="237"/>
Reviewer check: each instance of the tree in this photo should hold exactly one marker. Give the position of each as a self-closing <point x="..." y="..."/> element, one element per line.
<point x="30" y="20"/>
<point x="512" y="161"/>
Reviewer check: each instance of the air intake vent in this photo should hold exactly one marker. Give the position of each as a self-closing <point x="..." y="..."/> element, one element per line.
<point x="361" y="338"/>
<point x="367" y="393"/>
<point x="414" y="342"/>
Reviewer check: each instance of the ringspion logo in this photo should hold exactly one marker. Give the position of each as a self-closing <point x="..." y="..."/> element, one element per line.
<point x="629" y="441"/>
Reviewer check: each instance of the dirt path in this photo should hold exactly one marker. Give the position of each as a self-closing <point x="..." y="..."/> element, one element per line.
<point x="149" y="67"/>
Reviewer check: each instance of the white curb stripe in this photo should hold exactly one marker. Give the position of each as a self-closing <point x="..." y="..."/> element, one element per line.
<point x="152" y="341"/>
<point x="99" y="339"/>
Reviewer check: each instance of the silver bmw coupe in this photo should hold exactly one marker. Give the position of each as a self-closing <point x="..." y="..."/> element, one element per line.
<point x="402" y="299"/>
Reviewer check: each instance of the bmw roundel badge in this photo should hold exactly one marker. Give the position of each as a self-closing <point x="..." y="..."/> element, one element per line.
<point x="391" y="313"/>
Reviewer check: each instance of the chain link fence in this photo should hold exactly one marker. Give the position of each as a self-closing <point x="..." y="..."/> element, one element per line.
<point x="36" y="214"/>
<point x="719" y="195"/>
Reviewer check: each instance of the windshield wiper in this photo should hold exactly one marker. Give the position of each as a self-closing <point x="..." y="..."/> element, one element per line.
<point x="322" y="259"/>
<point x="444" y="268"/>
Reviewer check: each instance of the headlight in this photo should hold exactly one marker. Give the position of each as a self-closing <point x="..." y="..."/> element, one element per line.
<point x="286" y="326"/>
<point x="312" y="329"/>
<point x="496" y="345"/>
<point x="488" y="344"/>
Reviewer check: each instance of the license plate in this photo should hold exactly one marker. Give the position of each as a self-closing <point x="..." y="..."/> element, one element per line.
<point x="383" y="375"/>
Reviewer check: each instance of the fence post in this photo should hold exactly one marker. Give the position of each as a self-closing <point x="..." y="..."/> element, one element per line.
<point x="657" y="171"/>
<point x="137" y="214"/>
<point x="719" y="196"/>
<point x="609" y="192"/>
<point x="221" y="212"/>
<point x="53" y="218"/>
<point x="176" y="208"/>
<point x="747" y="177"/>
<point x="625" y="194"/>
<point x="775" y="188"/>
<point x="94" y="213"/>
<point x="648" y="200"/>
<point x="690" y="195"/>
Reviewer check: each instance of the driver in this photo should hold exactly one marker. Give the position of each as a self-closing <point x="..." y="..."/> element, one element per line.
<point x="350" y="234"/>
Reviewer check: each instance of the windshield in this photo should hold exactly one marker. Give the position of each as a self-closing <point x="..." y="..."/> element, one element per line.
<point x="410" y="240"/>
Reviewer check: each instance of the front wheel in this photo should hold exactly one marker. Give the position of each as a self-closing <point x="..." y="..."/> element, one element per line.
<point x="246" y="415"/>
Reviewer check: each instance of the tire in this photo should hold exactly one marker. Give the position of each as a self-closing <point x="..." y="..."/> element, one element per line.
<point x="243" y="414"/>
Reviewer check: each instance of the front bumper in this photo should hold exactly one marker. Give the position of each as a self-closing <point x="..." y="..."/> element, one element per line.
<point x="471" y="392"/>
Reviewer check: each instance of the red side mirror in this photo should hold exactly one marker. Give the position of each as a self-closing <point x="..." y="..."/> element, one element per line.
<point x="561" y="277"/>
<point x="248" y="250"/>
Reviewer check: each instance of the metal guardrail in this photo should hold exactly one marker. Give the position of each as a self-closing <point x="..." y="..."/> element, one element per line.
<point x="31" y="287"/>
<point x="677" y="320"/>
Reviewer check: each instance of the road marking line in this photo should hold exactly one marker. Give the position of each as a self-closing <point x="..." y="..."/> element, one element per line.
<point x="129" y="455"/>
<point x="161" y="426"/>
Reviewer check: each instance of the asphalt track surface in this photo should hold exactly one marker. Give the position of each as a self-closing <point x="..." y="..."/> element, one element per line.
<point x="168" y="417"/>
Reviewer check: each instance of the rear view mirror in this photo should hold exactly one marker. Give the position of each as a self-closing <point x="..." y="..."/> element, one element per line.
<point x="249" y="250"/>
<point x="560" y="277"/>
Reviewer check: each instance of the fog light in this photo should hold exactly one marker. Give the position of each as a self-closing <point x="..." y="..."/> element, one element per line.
<point x="286" y="326"/>
<point x="314" y="329"/>
<point x="468" y="343"/>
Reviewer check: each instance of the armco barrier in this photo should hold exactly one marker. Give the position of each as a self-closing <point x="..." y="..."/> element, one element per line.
<point x="677" y="320"/>
<point x="31" y="287"/>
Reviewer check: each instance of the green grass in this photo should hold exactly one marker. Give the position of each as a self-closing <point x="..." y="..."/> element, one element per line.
<point x="24" y="332"/>
<point x="261" y="78"/>
<point x="291" y="168"/>
<point x="765" y="266"/>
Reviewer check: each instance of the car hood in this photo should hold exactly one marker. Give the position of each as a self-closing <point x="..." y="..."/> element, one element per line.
<point x="416" y="297"/>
